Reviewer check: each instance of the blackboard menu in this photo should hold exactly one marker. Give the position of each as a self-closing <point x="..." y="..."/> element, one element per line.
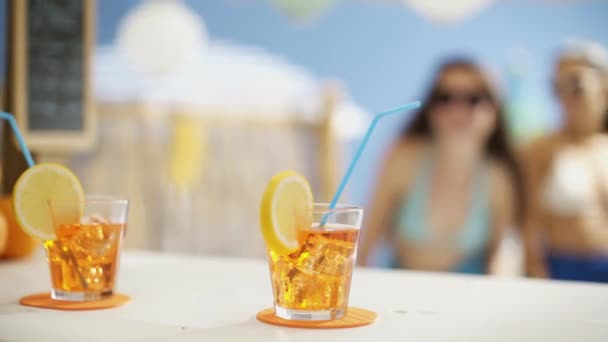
<point x="55" y="65"/>
<point x="50" y="57"/>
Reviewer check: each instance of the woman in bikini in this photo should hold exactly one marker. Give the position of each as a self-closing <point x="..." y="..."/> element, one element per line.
<point x="566" y="222"/>
<point x="449" y="187"/>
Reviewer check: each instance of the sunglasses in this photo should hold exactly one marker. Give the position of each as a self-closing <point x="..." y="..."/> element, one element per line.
<point x="572" y="86"/>
<point x="470" y="99"/>
<point x="576" y="84"/>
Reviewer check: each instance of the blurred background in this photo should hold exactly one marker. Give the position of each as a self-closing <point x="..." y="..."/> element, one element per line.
<point x="197" y="103"/>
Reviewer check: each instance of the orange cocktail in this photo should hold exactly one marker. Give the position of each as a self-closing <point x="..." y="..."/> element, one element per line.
<point x="314" y="282"/>
<point x="83" y="256"/>
<point x="311" y="249"/>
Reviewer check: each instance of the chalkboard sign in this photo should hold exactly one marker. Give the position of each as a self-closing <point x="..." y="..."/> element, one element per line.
<point x="51" y="47"/>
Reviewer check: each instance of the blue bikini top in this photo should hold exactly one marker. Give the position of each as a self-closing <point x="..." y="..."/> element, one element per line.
<point x="412" y="222"/>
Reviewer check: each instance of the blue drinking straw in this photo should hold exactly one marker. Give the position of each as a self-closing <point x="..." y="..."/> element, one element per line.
<point x="353" y="163"/>
<point x="26" y="152"/>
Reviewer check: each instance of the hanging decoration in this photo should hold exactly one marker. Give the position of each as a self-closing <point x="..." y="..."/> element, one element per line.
<point x="158" y="36"/>
<point x="447" y="12"/>
<point x="304" y="10"/>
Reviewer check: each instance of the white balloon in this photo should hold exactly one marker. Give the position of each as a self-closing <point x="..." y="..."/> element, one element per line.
<point x="159" y="35"/>
<point x="447" y="11"/>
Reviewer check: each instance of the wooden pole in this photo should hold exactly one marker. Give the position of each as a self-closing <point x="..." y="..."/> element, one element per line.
<point x="327" y="145"/>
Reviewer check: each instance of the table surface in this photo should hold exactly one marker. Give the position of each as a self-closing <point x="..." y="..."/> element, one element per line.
<point x="188" y="298"/>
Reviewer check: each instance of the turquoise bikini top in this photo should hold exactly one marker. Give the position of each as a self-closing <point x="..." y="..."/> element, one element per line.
<point x="412" y="222"/>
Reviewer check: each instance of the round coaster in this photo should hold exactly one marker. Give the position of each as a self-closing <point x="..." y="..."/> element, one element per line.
<point x="355" y="317"/>
<point x="44" y="300"/>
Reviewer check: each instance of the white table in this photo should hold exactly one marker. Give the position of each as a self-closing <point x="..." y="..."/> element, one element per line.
<point x="185" y="298"/>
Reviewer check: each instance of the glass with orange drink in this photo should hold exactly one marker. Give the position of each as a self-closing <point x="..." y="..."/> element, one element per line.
<point x="311" y="250"/>
<point x="82" y="235"/>
<point x="83" y="257"/>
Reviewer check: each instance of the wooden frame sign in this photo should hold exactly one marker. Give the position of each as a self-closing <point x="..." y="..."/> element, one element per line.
<point x="52" y="44"/>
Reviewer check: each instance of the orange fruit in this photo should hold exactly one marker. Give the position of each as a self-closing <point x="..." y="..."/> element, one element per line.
<point x="19" y="244"/>
<point x="3" y="233"/>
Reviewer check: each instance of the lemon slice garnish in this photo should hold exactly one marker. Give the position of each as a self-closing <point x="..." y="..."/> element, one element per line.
<point x="35" y="188"/>
<point x="285" y="192"/>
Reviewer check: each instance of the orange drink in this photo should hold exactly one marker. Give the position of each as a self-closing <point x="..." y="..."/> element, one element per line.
<point x="83" y="259"/>
<point x="82" y="235"/>
<point x="313" y="283"/>
<point x="83" y="256"/>
<point x="311" y="249"/>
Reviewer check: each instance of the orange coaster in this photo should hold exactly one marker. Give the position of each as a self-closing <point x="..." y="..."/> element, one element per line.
<point x="355" y="317"/>
<point x="44" y="300"/>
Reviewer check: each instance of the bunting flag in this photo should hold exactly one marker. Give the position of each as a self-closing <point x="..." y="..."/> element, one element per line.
<point x="304" y="10"/>
<point x="447" y="12"/>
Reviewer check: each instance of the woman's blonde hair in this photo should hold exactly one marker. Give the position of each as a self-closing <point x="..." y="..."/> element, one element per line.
<point x="589" y="52"/>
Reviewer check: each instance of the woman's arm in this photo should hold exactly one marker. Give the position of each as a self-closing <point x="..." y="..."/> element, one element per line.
<point x="503" y="206"/>
<point x="383" y="202"/>
<point x="532" y="222"/>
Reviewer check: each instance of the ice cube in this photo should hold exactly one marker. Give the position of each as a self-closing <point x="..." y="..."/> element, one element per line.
<point x="336" y="258"/>
<point x="324" y="256"/>
<point x="92" y="240"/>
<point x="311" y="291"/>
<point x="93" y="219"/>
<point x="311" y="254"/>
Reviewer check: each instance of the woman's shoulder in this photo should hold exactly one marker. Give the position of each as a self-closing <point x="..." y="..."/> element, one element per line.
<point x="502" y="189"/>
<point x="499" y="175"/>
<point x="539" y="146"/>
<point x="536" y="155"/>
<point x="600" y="140"/>
<point x="405" y="154"/>
<point x="409" y="148"/>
